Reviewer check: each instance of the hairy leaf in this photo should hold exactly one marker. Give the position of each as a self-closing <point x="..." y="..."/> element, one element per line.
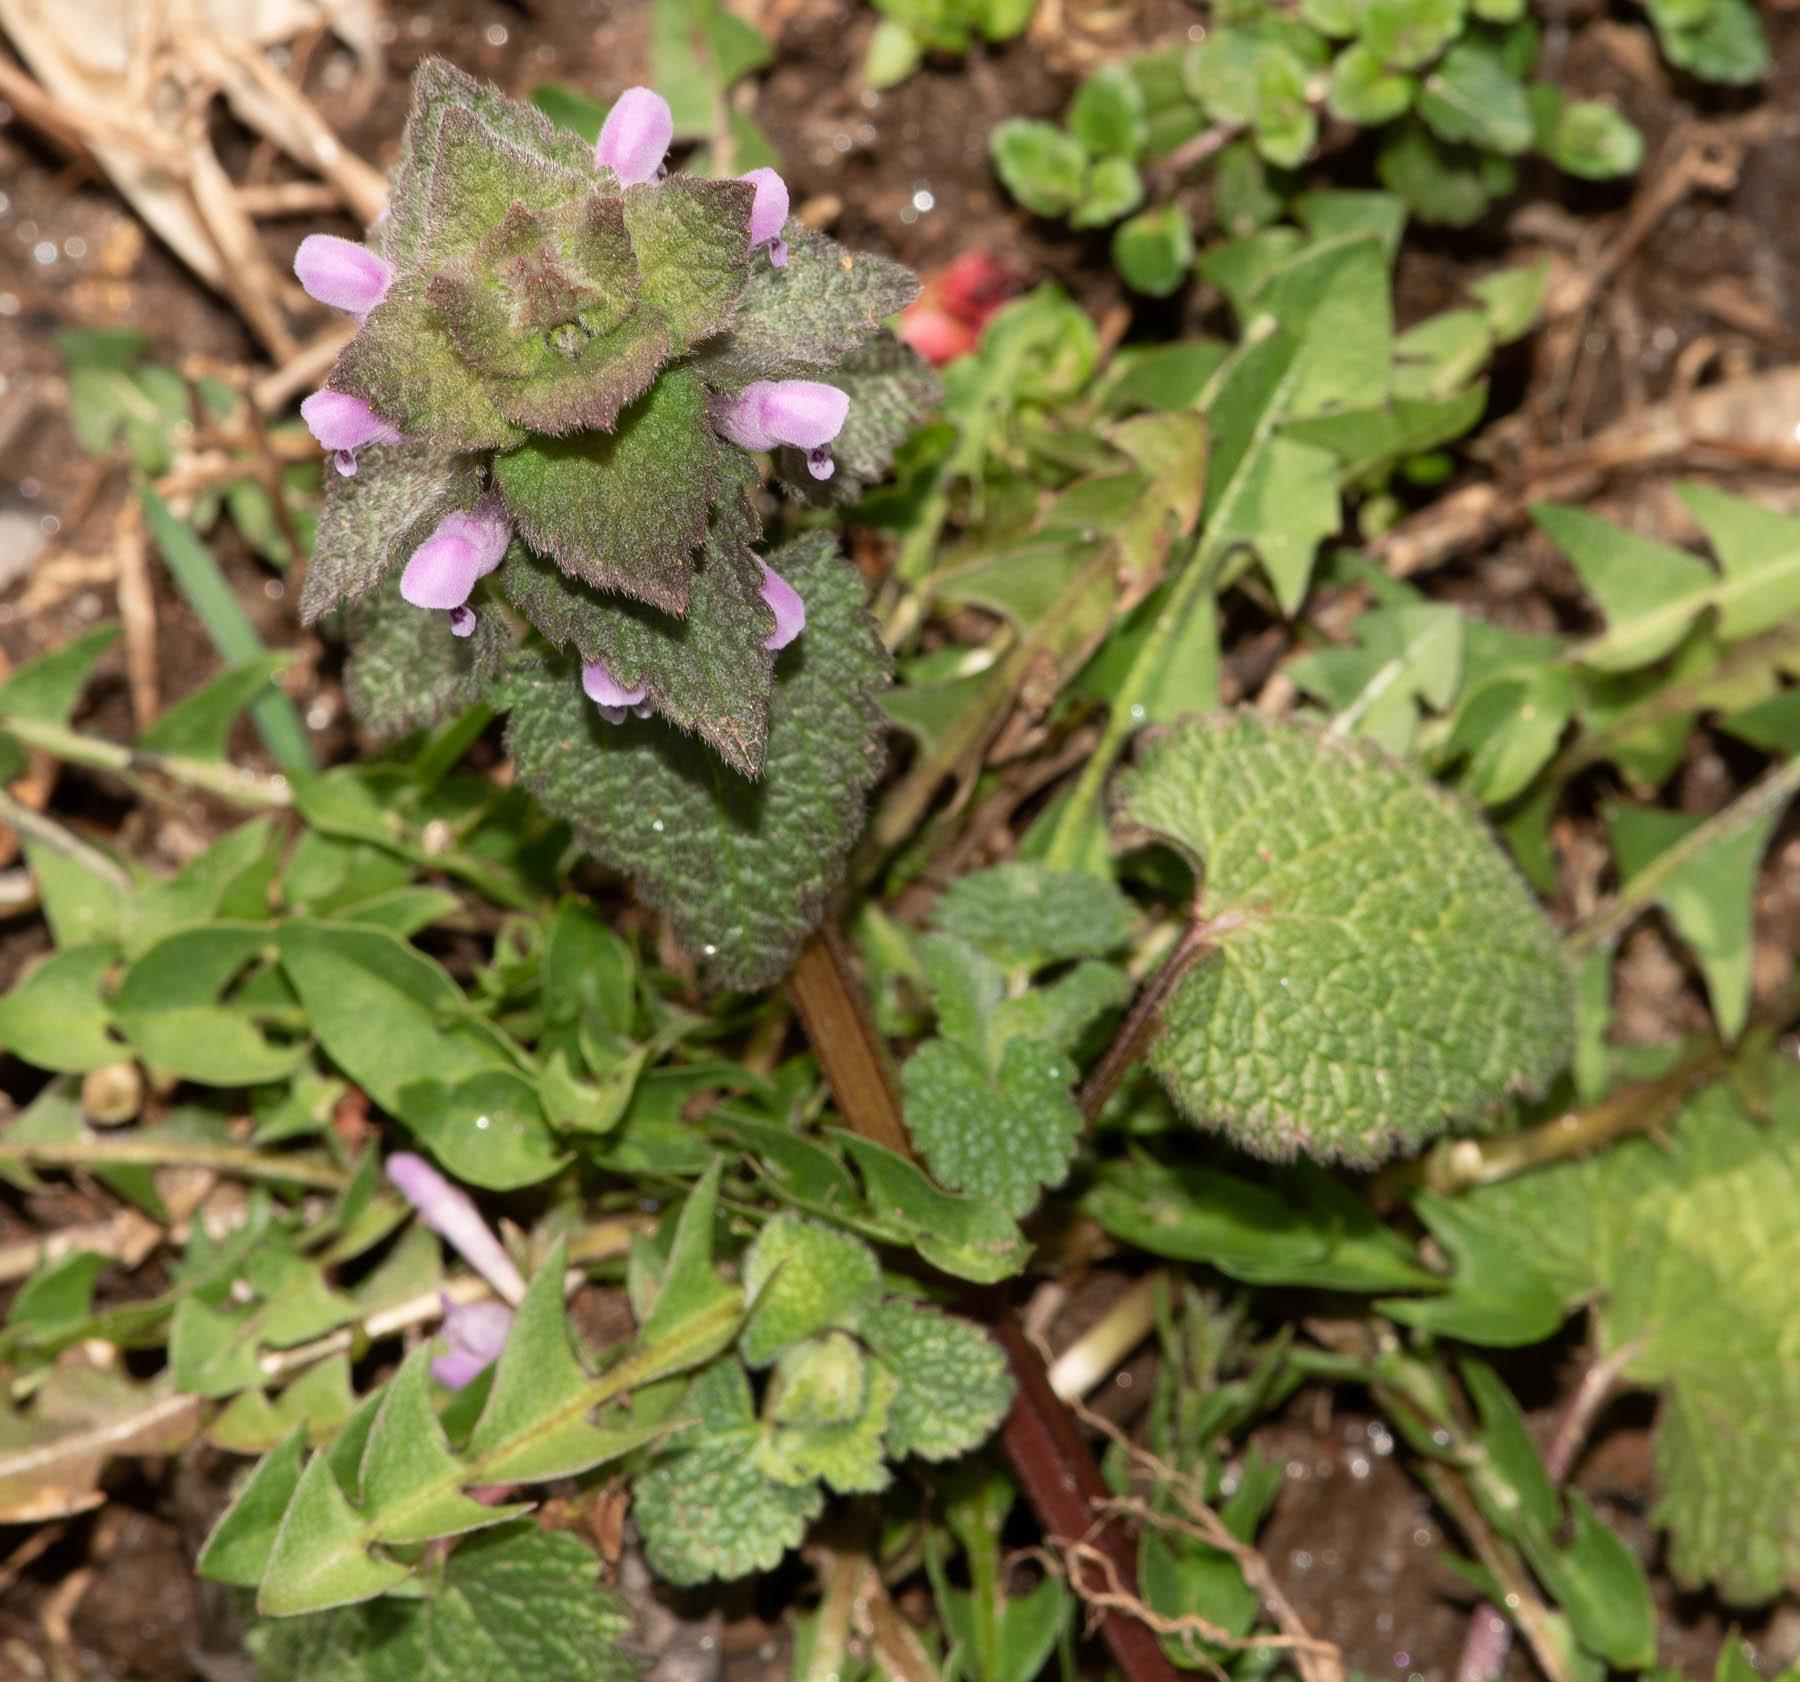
<point x="1377" y="969"/>
<point x="809" y="315"/>
<point x="408" y="670"/>
<point x="622" y="510"/>
<point x="954" y="1384"/>
<point x="1685" y="1244"/>
<point x="517" y="1603"/>
<point x="742" y="868"/>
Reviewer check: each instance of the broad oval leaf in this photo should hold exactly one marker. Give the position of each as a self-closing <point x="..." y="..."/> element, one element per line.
<point x="1377" y="968"/>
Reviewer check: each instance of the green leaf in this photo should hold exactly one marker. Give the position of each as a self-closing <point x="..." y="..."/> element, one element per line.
<point x="1684" y="1244"/>
<point x="742" y="868"/>
<point x="844" y="1453"/>
<point x="1470" y="97"/>
<point x="709" y="1510"/>
<point x="387" y="1015"/>
<point x="518" y="1602"/>
<point x="1108" y="115"/>
<point x="199" y="725"/>
<point x="1724" y="43"/>
<point x="1026" y="916"/>
<point x="408" y="670"/>
<point x="708" y="671"/>
<point x="1708" y="897"/>
<point x="55" y="1017"/>
<point x="1285" y="125"/>
<point x="1406" y="34"/>
<point x="1759" y="554"/>
<point x="692" y="242"/>
<point x="1155" y="250"/>
<point x="1508" y="727"/>
<point x="168" y="1006"/>
<point x="1364" y="91"/>
<point x="1496" y="1295"/>
<point x="1651" y="594"/>
<point x="808" y="316"/>
<point x="623" y="510"/>
<point x="1520" y="1496"/>
<point x="197" y="574"/>
<point x="1302" y="1230"/>
<point x="1405" y="658"/>
<point x="1003" y="1134"/>
<point x="964" y="1236"/>
<point x="1593" y="141"/>
<point x="801" y="1278"/>
<point x="1377" y="969"/>
<point x="1600" y="1585"/>
<point x="954" y="1384"/>
<point x="1042" y="166"/>
<point x="1439" y="183"/>
<point x="1114" y="189"/>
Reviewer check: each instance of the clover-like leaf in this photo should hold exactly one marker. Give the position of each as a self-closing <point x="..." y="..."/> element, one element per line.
<point x="622" y="510"/>
<point x="954" y="1384"/>
<point x="1377" y="969"/>
<point x="1003" y="1133"/>
<point x="802" y="1277"/>
<point x="1686" y="1246"/>
<point x="708" y="1509"/>
<point x="742" y="868"/>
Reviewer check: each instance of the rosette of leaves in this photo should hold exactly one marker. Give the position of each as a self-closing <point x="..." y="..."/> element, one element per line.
<point x="858" y="1376"/>
<point x="557" y="351"/>
<point x="1449" y="83"/>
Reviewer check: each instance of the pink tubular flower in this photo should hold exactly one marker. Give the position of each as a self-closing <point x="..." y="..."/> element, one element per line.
<point x="635" y="137"/>
<point x="802" y="413"/>
<point x="476" y="1333"/>
<point x="613" y="699"/>
<point x="463" y="549"/>
<point x="450" y="1212"/>
<point x="343" y="425"/>
<point x="341" y="273"/>
<point x="785" y="603"/>
<point x="768" y="214"/>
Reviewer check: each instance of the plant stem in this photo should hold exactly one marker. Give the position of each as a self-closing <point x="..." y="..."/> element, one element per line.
<point x="1052" y="1462"/>
<point x="854" y="1057"/>
<point x="1108" y="1341"/>
<point x="157" y="1153"/>
<point x="1766" y="796"/>
<point x="229" y="782"/>
<point x="47" y="832"/>
<point x="1144" y="1019"/>
<point x="1456" y="1164"/>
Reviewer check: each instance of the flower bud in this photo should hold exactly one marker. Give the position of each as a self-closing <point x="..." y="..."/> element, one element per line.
<point x="768" y="214"/>
<point x="463" y="549"/>
<point x="476" y="1333"/>
<point x="451" y="1213"/>
<point x="612" y="698"/>
<point x="344" y="424"/>
<point x="341" y="273"/>
<point x="785" y="603"/>
<point x="635" y="137"/>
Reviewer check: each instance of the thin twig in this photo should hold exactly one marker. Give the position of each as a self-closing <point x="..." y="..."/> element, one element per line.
<point x="853" y="1056"/>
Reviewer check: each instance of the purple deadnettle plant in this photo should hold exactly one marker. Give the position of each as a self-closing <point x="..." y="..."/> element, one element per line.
<point x="573" y="368"/>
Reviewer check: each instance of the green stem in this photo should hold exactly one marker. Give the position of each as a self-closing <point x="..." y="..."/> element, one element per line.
<point x="172" y="1153"/>
<point x="1191" y="583"/>
<point x="47" y="832"/>
<point x="228" y="782"/>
